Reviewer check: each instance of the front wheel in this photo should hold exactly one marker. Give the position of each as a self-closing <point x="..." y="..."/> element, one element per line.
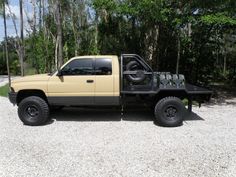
<point x="33" y="111"/>
<point x="170" y="112"/>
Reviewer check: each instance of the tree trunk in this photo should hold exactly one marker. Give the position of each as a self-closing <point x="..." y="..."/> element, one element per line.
<point x="43" y="12"/>
<point x="45" y="38"/>
<point x="59" y="33"/>
<point x="34" y="33"/>
<point x="6" y="47"/>
<point x="189" y="29"/>
<point x="151" y="46"/>
<point x="225" y="62"/>
<point x="22" y="38"/>
<point x="34" y="15"/>
<point x="96" y="33"/>
<point x="40" y="14"/>
<point x="74" y="20"/>
<point x="178" y="55"/>
<point x="225" y="55"/>
<point x="56" y="54"/>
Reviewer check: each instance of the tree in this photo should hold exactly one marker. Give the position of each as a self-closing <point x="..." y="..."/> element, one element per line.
<point x="59" y="45"/>
<point x="3" y="7"/>
<point x="21" y="38"/>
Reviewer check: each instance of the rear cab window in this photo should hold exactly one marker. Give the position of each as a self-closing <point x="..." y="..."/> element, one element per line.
<point x="103" y="66"/>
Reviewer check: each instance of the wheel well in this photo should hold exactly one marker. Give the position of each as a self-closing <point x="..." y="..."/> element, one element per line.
<point x="181" y="94"/>
<point x="26" y="93"/>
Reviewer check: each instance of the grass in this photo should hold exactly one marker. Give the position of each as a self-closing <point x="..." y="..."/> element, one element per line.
<point x="4" y="90"/>
<point x="185" y="102"/>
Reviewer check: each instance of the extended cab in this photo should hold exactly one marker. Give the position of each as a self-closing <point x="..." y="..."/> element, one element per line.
<point x="105" y="80"/>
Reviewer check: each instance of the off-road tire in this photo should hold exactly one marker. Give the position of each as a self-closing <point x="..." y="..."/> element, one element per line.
<point x="169" y="112"/>
<point x="33" y="111"/>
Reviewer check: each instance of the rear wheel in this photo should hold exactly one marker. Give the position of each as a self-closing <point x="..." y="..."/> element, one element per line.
<point x="33" y="111"/>
<point x="170" y="112"/>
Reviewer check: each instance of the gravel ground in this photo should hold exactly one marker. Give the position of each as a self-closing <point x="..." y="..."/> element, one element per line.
<point x="3" y="80"/>
<point x="79" y="142"/>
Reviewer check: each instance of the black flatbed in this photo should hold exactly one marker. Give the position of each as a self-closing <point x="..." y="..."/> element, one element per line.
<point x="196" y="90"/>
<point x="160" y="84"/>
<point x="190" y="89"/>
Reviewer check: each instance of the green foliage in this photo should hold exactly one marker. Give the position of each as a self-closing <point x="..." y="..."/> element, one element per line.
<point x="218" y="19"/>
<point x="13" y="58"/>
<point x="30" y="71"/>
<point x="4" y="90"/>
<point x="15" y="67"/>
<point x="40" y="52"/>
<point x="109" y="5"/>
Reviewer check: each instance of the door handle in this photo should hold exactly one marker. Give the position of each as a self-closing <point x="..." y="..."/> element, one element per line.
<point x="89" y="81"/>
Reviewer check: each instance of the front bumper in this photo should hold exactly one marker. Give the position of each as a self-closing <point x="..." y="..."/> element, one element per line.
<point x="12" y="97"/>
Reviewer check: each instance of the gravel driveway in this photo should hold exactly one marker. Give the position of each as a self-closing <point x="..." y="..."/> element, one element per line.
<point x="79" y="142"/>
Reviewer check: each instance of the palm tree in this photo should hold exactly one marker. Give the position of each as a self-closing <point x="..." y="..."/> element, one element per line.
<point x="3" y="8"/>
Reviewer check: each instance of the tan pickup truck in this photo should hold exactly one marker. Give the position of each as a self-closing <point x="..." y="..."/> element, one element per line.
<point x="105" y="80"/>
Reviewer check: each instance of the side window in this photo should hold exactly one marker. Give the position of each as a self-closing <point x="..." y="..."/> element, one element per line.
<point x="103" y="66"/>
<point x="79" y="67"/>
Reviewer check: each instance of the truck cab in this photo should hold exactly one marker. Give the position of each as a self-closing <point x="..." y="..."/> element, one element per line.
<point x="87" y="80"/>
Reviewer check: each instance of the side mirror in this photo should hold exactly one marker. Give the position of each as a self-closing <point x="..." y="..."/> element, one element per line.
<point x="59" y="73"/>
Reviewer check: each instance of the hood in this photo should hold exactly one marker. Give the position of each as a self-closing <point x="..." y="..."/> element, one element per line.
<point x="37" y="77"/>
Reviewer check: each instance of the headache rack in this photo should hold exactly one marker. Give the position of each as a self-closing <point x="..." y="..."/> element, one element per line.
<point x="147" y="71"/>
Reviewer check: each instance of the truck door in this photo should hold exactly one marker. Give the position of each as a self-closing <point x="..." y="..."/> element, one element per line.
<point x="76" y="84"/>
<point x="104" y="81"/>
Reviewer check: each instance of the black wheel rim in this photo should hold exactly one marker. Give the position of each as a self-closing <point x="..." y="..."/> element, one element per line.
<point x="171" y="112"/>
<point x="31" y="111"/>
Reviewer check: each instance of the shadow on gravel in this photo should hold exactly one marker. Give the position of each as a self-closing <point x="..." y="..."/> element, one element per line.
<point x="109" y="114"/>
<point x="191" y="116"/>
<point x="102" y="114"/>
<point x="223" y="95"/>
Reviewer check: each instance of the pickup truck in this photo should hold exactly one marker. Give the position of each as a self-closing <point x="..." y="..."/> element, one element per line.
<point x="105" y="80"/>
